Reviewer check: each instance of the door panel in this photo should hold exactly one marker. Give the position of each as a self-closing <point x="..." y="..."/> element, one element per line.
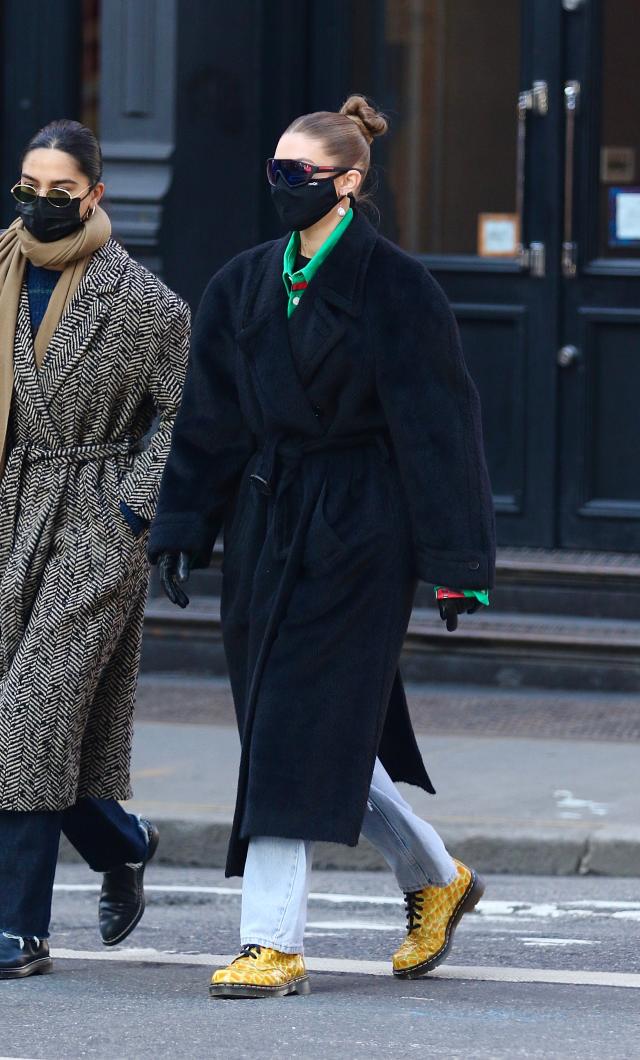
<point x="599" y="504"/>
<point x="495" y="340"/>
<point x="449" y="73"/>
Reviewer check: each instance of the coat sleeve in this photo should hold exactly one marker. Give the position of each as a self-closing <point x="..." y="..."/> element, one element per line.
<point x="211" y="443"/>
<point x="140" y="488"/>
<point x="433" y="414"/>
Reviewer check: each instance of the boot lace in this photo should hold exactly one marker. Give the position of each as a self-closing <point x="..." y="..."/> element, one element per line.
<point x="250" y="950"/>
<point x="414" y="902"/>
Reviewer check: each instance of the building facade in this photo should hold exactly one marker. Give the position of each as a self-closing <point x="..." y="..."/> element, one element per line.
<point x="512" y="168"/>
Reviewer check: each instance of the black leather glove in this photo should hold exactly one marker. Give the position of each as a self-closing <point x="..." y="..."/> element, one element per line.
<point x="174" y="568"/>
<point x="452" y="606"/>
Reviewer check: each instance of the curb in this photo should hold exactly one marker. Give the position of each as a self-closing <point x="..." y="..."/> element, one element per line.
<point x="198" y="843"/>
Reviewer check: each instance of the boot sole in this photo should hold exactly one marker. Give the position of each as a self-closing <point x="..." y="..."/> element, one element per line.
<point x="229" y="990"/>
<point x="154" y="839"/>
<point x="43" y="966"/>
<point x="468" y="901"/>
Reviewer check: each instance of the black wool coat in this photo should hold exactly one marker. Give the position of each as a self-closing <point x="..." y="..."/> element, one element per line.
<point x="342" y="453"/>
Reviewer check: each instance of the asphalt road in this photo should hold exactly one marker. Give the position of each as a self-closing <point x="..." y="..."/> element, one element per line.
<point x="547" y="967"/>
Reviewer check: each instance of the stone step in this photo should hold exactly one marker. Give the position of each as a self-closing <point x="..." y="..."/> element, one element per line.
<point x="501" y="649"/>
<point x="528" y="581"/>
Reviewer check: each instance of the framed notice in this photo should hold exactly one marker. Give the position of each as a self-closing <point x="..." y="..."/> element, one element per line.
<point x="624" y="217"/>
<point x="498" y="235"/>
<point x="617" y="165"/>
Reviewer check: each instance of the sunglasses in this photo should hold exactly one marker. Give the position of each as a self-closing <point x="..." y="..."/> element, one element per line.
<point x="26" y="195"/>
<point x="296" y="173"/>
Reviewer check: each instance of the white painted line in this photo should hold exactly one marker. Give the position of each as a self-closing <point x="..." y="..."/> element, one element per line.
<point x="546" y="942"/>
<point x="376" y="968"/>
<point x="356" y="925"/>
<point x="319" y="896"/>
<point x="489" y="909"/>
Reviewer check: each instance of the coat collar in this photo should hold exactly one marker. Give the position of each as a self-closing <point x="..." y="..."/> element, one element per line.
<point x="340" y="280"/>
<point x="91" y="303"/>
<point x="335" y="293"/>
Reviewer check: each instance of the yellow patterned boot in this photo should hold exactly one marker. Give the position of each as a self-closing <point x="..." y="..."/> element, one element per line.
<point x="261" y="972"/>
<point x="432" y="917"/>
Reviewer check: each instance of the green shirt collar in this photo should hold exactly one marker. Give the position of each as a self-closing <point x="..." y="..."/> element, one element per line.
<point x="291" y="276"/>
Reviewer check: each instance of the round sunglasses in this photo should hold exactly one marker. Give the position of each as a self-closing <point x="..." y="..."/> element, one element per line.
<point x="26" y="195"/>
<point x="296" y="173"/>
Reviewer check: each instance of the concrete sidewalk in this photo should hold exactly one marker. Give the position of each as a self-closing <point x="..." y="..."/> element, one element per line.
<point x="504" y="804"/>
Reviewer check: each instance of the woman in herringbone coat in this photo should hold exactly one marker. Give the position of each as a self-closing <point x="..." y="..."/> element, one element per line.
<point x="92" y="348"/>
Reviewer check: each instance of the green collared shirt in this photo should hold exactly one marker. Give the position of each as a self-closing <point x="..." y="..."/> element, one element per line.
<point x="296" y="281"/>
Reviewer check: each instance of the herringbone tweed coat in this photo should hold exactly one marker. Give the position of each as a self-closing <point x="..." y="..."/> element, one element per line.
<point x="73" y="577"/>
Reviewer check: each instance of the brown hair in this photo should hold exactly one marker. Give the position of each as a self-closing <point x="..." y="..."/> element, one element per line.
<point x="347" y="134"/>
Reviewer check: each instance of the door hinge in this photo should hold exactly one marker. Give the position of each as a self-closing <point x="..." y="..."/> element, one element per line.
<point x="534" y="258"/>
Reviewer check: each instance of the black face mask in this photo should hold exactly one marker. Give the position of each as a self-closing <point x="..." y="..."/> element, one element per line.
<point x="46" y="223"/>
<point x="299" y="208"/>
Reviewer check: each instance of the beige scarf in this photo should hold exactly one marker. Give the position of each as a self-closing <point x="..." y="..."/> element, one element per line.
<point x="70" y="256"/>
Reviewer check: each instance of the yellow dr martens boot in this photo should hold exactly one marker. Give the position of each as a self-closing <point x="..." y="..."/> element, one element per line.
<point x="261" y="972"/>
<point x="432" y="917"/>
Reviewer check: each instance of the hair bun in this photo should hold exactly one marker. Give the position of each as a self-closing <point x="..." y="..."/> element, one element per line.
<point x="370" y="121"/>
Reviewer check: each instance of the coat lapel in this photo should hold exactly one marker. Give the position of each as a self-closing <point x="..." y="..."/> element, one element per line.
<point x="315" y="329"/>
<point x="26" y="379"/>
<point x="264" y="340"/>
<point x="89" y="307"/>
<point x="334" y="294"/>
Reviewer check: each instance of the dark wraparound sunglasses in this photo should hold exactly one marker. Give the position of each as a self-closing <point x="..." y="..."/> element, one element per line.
<point x="26" y="194"/>
<point x="295" y="173"/>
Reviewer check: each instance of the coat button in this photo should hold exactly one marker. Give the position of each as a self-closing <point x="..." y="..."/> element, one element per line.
<point x="474" y="565"/>
<point x="296" y="300"/>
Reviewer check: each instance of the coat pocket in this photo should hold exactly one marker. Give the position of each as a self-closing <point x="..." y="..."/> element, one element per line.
<point x="324" y="549"/>
<point x="349" y="527"/>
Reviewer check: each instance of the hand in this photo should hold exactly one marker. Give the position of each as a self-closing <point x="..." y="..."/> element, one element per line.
<point x="174" y="568"/>
<point x="452" y="604"/>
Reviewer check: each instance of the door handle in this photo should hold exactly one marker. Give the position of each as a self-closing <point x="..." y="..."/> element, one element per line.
<point x="569" y="245"/>
<point x="568" y="356"/>
<point x="536" y="100"/>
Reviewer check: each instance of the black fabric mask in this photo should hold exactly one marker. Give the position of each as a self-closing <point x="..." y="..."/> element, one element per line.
<point x="46" y="223"/>
<point x="299" y="208"/>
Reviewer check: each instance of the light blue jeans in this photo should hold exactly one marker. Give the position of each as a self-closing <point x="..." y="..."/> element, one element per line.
<point x="277" y="873"/>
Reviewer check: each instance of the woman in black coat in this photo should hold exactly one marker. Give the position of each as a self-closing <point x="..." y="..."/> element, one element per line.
<point x="329" y="425"/>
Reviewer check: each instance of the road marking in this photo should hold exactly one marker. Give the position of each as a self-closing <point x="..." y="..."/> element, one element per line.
<point x="627" y="980"/>
<point x="356" y="925"/>
<point x="546" y="942"/>
<point x="489" y="909"/>
<point x="570" y="807"/>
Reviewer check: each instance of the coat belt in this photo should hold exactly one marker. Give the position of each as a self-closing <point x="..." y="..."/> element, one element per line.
<point x="12" y="606"/>
<point x="290" y="453"/>
<point x="29" y="453"/>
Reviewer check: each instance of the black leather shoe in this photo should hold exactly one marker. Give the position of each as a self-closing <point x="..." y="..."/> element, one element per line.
<point x="21" y="957"/>
<point x="122" y="897"/>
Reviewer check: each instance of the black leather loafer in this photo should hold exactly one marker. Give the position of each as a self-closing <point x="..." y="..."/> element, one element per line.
<point x="122" y="897"/>
<point x="21" y="957"/>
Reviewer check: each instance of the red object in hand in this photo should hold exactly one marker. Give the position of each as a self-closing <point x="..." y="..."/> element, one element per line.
<point x="452" y="604"/>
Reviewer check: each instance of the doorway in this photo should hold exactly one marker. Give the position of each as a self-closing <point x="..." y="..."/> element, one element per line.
<point x="513" y="171"/>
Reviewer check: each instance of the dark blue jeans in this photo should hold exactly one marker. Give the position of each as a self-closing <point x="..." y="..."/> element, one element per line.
<point x="102" y="832"/>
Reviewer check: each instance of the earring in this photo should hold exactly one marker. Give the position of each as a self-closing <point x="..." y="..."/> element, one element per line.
<point x="89" y="214"/>
<point x="341" y="211"/>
